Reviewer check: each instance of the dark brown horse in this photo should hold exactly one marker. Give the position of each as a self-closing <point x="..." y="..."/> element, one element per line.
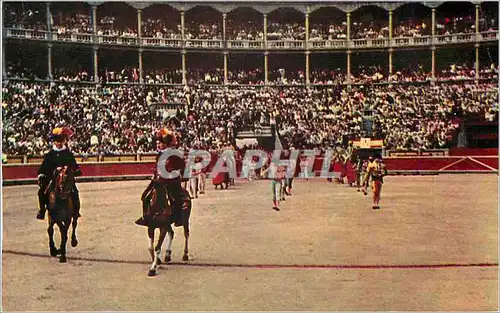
<point x="61" y="210"/>
<point x="156" y="217"/>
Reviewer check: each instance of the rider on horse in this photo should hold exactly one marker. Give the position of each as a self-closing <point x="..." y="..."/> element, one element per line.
<point x="164" y="187"/>
<point x="59" y="156"/>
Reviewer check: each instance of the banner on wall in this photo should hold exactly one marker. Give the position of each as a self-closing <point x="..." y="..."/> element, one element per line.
<point x="368" y="143"/>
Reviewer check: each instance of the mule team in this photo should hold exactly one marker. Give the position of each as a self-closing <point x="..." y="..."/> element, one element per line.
<point x="165" y="201"/>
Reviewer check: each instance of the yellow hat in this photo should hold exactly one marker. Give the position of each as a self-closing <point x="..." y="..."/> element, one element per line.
<point x="166" y="136"/>
<point x="60" y="133"/>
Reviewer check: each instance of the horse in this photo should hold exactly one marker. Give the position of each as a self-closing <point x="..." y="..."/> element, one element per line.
<point x="60" y="208"/>
<point x="155" y="217"/>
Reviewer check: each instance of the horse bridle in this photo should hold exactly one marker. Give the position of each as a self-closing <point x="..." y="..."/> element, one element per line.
<point x="59" y="181"/>
<point x="152" y="194"/>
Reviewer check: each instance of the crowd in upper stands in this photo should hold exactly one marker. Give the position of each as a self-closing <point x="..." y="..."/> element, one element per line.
<point x="238" y="29"/>
<point x="359" y="75"/>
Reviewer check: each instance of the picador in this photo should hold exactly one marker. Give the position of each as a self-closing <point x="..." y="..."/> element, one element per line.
<point x="58" y="156"/>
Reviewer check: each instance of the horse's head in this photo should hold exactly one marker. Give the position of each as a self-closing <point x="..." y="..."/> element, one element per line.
<point x="160" y="207"/>
<point x="63" y="181"/>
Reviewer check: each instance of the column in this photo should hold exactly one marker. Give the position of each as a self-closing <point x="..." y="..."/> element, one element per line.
<point x="265" y="31"/>
<point x="94" y="19"/>
<point x="49" y="46"/>
<point x="141" y="79"/>
<point x="266" y="77"/>
<point x="184" y="72"/>
<point x="4" y="73"/>
<point x="308" y="53"/>
<point x="433" y="77"/>
<point x="349" y="66"/>
<point x="308" y="79"/>
<point x="391" y="51"/>
<point x="49" y="20"/>
<point x="390" y="44"/>
<point x="433" y="47"/>
<point x="307" y="30"/>
<point x="139" y="23"/>
<point x="477" y="44"/>
<point x="348" y="21"/>
<point x="225" y="67"/>
<point x="477" y="21"/>
<point x="49" y="61"/>
<point x="94" y="22"/>
<point x="96" y="67"/>
<point x="433" y="30"/>
<point x="182" y="26"/>
<point x="224" y="16"/>
<point x="390" y="27"/>
<point x="477" y="63"/>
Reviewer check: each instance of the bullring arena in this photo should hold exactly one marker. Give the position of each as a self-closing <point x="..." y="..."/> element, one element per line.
<point x="432" y="246"/>
<point x="98" y="89"/>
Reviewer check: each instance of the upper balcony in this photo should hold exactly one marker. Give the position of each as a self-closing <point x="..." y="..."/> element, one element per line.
<point x="253" y="45"/>
<point x="259" y="27"/>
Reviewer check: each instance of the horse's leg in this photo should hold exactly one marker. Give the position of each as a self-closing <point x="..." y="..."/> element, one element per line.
<point x="186" y="236"/>
<point x="63" y="228"/>
<point x="154" y="265"/>
<point x="74" y="219"/>
<point x="161" y="238"/>
<point x="74" y="223"/>
<point x="50" y="231"/>
<point x="151" y="236"/>
<point x="168" y="253"/>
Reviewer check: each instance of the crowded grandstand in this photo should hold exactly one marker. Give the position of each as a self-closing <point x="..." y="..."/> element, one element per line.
<point x="352" y="149"/>
<point x="102" y="69"/>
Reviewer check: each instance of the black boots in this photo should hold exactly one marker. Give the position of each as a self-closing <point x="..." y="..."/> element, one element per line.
<point x="40" y="214"/>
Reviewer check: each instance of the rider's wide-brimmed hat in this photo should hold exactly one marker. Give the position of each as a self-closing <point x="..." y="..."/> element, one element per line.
<point x="61" y="133"/>
<point x="166" y="136"/>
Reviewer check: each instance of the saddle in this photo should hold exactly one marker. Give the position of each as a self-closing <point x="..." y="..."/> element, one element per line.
<point x="160" y="207"/>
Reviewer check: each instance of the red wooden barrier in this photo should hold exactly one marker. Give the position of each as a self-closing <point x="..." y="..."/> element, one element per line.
<point x="409" y="165"/>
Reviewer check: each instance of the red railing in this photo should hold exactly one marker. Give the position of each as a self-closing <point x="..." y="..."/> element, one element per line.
<point x="401" y="165"/>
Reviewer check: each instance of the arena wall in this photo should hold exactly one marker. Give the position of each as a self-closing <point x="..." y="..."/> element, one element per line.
<point x="93" y="171"/>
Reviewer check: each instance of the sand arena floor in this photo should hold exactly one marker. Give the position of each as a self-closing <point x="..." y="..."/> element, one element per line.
<point x="432" y="246"/>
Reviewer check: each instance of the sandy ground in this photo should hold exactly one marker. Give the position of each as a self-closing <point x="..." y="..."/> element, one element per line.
<point x="392" y="259"/>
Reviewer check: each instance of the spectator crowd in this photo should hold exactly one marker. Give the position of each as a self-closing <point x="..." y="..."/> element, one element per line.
<point x="276" y="76"/>
<point x="122" y="119"/>
<point x="110" y="119"/>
